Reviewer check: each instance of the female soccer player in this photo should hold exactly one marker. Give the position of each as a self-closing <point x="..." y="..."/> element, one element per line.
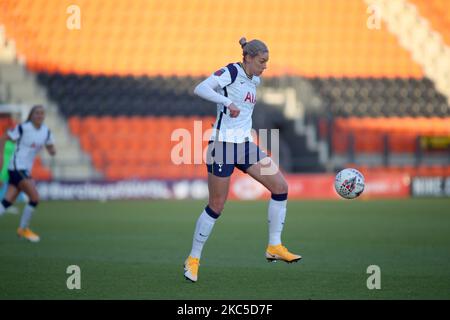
<point x="233" y="89"/>
<point x="30" y="137"/>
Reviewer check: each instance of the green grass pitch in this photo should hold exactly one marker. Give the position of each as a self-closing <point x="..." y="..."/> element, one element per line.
<point x="136" y="249"/>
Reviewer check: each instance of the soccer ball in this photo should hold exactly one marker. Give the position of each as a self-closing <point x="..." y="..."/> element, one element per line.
<point x="349" y="183"/>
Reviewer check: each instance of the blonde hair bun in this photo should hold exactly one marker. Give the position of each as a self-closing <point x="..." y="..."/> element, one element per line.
<point x="242" y="42"/>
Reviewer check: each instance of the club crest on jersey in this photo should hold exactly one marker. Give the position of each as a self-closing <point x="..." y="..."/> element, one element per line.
<point x="250" y="97"/>
<point x="219" y="72"/>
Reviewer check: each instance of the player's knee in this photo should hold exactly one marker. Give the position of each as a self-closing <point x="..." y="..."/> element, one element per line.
<point x="6" y="204"/>
<point x="280" y="187"/>
<point x="34" y="204"/>
<point x="34" y="199"/>
<point x="216" y="205"/>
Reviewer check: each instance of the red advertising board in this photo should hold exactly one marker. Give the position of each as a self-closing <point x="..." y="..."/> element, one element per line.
<point x="387" y="185"/>
<point x="321" y="186"/>
<point x="243" y="187"/>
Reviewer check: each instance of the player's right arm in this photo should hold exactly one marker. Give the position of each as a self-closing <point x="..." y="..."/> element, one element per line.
<point x="207" y="90"/>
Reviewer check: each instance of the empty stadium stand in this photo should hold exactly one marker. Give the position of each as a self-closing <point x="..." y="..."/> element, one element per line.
<point x="127" y="76"/>
<point x="85" y="95"/>
<point x="131" y="99"/>
<point x="400" y="134"/>
<point x="192" y="38"/>
<point x="380" y="97"/>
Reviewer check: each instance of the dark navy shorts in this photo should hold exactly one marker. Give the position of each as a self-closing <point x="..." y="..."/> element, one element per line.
<point x="15" y="176"/>
<point x="223" y="157"/>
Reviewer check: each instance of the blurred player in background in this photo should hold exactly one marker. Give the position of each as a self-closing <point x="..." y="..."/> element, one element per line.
<point x="233" y="89"/>
<point x="30" y="137"/>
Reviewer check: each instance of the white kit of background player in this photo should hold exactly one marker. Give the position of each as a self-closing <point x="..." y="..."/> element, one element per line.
<point x="30" y="137"/>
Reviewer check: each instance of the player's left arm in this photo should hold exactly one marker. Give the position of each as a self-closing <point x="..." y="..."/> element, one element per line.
<point x="50" y="144"/>
<point x="51" y="149"/>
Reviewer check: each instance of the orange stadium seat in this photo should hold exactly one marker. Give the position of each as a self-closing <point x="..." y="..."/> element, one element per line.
<point x="127" y="151"/>
<point x="402" y="133"/>
<point x="39" y="171"/>
<point x="308" y="38"/>
<point x="400" y="143"/>
<point x="6" y="123"/>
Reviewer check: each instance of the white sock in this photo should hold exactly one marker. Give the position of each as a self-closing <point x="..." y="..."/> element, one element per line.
<point x="26" y="216"/>
<point x="205" y="224"/>
<point x="2" y="209"/>
<point x="276" y="216"/>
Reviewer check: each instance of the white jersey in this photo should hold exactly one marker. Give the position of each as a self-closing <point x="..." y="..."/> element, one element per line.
<point x="29" y="141"/>
<point x="242" y="92"/>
